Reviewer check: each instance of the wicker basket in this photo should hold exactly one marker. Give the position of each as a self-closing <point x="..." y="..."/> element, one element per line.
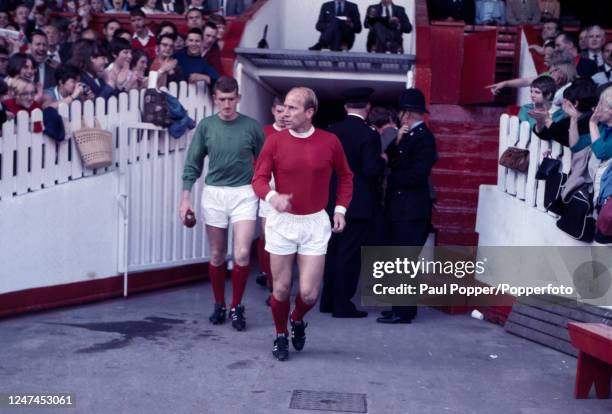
<point x="95" y="146"/>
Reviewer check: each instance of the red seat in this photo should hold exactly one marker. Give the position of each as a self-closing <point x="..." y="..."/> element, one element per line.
<point x="594" y="341"/>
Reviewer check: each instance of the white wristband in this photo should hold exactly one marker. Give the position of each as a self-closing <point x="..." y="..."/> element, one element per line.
<point x="341" y="210"/>
<point x="271" y="194"/>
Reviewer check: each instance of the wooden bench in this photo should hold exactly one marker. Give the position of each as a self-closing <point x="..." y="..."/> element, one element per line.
<point x="594" y="343"/>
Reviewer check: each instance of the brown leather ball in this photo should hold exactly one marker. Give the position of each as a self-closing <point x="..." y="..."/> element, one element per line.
<point x="190" y="219"/>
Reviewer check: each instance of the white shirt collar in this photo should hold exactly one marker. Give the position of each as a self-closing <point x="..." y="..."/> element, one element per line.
<point x="302" y="134"/>
<point x="276" y="128"/>
<point x="357" y="115"/>
<point x="146" y="39"/>
<point x="416" y="124"/>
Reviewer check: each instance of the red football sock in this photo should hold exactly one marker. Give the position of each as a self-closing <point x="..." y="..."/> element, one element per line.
<point x="301" y="308"/>
<point x="264" y="260"/>
<point x="280" y="314"/>
<point x="240" y="275"/>
<point x="217" y="280"/>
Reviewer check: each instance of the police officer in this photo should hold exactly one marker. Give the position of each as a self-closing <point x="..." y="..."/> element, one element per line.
<point x="408" y="200"/>
<point x="362" y="148"/>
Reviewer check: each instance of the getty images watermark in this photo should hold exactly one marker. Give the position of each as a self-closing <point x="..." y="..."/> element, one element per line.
<point x="446" y="276"/>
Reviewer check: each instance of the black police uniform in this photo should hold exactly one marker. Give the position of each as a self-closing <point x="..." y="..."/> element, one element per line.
<point x="408" y="201"/>
<point x="362" y="148"/>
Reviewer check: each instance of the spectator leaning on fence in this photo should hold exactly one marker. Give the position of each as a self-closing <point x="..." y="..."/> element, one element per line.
<point x="193" y="66"/>
<point x="68" y="89"/>
<point x="119" y="71"/>
<point x="91" y="61"/>
<point x="24" y="94"/>
<point x="166" y="67"/>
<point x="542" y="91"/>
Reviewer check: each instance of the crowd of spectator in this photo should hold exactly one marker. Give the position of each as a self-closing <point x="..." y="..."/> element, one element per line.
<point x="50" y="52"/>
<point x="517" y="12"/>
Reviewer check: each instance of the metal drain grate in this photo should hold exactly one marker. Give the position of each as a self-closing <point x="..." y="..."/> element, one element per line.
<point x="329" y="401"/>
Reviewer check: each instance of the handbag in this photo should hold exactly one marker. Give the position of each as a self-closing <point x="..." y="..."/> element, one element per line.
<point x="547" y="167"/>
<point x="95" y="146"/>
<point x="155" y="108"/>
<point x="577" y="218"/>
<point x="516" y="159"/>
<point x="604" y="218"/>
<point x="552" y="192"/>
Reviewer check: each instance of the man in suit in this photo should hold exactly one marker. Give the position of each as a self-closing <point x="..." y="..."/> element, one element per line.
<point x="519" y="12"/>
<point x="170" y="6"/>
<point x="338" y="23"/>
<point x="568" y="43"/>
<point x="45" y="74"/>
<point x="387" y="22"/>
<point x="361" y="145"/>
<point x="408" y="200"/>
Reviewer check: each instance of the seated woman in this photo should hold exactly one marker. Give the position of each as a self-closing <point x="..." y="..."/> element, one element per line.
<point x="68" y="88"/>
<point x="572" y="131"/>
<point x="23" y="93"/>
<point x="543" y="90"/>
<point x="600" y="126"/>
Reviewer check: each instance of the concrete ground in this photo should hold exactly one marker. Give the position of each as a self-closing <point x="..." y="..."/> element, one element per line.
<point x="157" y="353"/>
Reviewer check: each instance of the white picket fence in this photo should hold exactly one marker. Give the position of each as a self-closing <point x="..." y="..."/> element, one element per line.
<point x="524" y="186"/>
<point x="149" y="163"/>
